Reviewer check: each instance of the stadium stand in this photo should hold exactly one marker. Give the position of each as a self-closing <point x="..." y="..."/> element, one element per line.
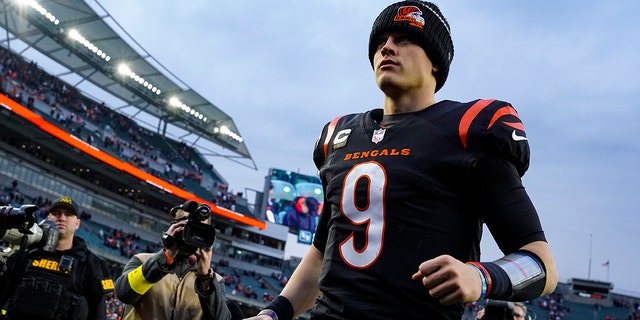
<point x="79" y="115"/>
<point x="119" y="219"/>
<point x="142" y="152"/>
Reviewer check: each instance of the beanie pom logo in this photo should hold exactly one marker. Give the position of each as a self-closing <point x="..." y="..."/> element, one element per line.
<point x="410" y="14"/>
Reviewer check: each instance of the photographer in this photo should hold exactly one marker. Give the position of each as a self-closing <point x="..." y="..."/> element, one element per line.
<point x="52" y="275"/>
<point x="177" y="282"/>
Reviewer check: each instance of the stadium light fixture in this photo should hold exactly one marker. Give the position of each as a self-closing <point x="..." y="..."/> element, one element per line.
<point x="40" y="9"/>
<point x="224" y="130"/>
<point x="127" y="72"/>
<point x="76" y="36"/>
<point x="176" y="103"/>
<point x="73" y="33"/>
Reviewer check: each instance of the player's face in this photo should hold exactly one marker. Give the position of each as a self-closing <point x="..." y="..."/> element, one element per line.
<point x="401" y="65"/>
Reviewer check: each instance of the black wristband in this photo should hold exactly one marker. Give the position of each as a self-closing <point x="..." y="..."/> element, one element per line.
<point x="519" y="276"/>
<point x="282" y="307"/>
<point x="500" y="283"/>
<point x="206" y="277"/>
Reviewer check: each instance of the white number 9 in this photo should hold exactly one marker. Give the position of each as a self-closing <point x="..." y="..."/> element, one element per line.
<point x="372" y="214"/>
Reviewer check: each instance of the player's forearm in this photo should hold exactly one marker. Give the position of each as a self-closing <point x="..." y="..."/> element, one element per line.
<point x="302" y="288"/>
<point x="542" y="250"/>
<point x="525" y="274"/>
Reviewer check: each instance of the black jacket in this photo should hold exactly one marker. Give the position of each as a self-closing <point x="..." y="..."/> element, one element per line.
<point x="70" y="284"/>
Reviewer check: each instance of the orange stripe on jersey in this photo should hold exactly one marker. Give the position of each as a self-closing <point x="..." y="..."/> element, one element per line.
<point x="506" y="111"/>
<point x="468" y="117"/>
<point x="330" y="129"/>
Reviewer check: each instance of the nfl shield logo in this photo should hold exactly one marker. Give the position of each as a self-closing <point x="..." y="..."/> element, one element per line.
<point x="378" y="135"/>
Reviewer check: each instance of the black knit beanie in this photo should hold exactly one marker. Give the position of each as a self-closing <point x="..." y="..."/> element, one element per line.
<point x="425" y="22"/>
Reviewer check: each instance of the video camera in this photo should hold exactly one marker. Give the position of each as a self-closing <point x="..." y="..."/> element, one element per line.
<point x="18" y="231"/>
<point x="195" y="234"/>
<point x="498" y="310"/>
<point x="502" y="310"/>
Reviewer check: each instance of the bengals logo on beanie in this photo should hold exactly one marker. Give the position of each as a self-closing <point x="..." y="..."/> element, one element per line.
<point x="424" y="21"/>
<point x="411" y="14"/>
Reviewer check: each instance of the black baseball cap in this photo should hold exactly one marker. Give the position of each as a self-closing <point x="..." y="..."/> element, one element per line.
<point x="65" y="202"/>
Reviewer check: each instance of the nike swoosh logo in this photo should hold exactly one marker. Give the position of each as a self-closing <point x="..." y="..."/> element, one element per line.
<point x="516" y="137"/>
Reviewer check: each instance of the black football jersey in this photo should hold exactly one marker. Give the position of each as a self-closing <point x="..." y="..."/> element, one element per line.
<point x="397" y="194"/>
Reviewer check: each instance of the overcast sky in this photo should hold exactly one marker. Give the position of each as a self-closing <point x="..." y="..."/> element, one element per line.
<point x="282" y="69"/>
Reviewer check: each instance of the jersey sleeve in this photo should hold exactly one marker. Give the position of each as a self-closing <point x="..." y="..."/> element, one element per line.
<point x="322" y="230"/>
<point x="320" y="152"/>
<point x="494" y="128"/>
<point x="321" y="148"/>
<point x="493" y="131"/>
<point x="504" y="204"/>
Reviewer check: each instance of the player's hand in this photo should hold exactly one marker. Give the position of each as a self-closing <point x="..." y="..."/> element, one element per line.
<point x="449" y="280"/>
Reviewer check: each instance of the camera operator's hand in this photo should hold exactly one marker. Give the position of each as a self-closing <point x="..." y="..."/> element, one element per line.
<point x="204" y="272"/>
<point x="22" y="218"/>
<point x="169" y="238"/>
<point x="203" y="256"/>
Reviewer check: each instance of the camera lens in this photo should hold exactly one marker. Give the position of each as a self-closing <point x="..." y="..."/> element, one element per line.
<point x="202" y="213"/>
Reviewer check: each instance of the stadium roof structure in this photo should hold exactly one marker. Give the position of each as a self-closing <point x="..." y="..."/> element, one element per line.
<point x="86" y="44"/>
